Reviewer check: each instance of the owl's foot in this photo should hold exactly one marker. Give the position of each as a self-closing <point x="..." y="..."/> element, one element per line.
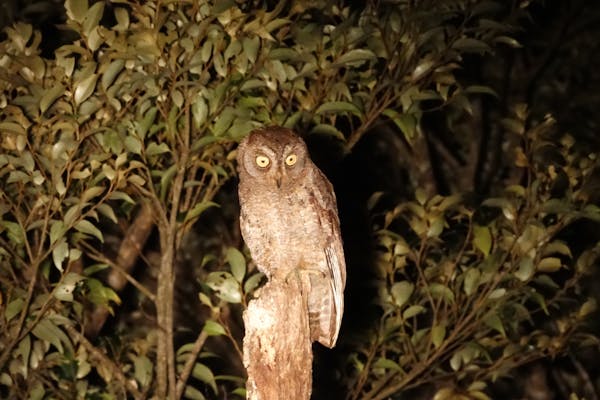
<point x="299" y="272"/>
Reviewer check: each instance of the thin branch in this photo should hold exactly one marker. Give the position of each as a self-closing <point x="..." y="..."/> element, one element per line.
<point x="97" y="256"/>
<point x="189" y="364"/>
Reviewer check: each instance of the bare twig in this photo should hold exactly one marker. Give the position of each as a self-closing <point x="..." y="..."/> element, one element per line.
<point x="189" y="364"/>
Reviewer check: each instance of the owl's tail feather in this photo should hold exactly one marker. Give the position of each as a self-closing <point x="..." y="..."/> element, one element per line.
<point x="321" y="312"/>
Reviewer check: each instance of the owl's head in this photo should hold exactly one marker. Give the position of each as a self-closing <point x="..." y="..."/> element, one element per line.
<point x="273" y="156"/>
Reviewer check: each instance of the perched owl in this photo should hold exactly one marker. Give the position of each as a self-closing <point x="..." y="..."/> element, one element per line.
<point x="289" y="221"/>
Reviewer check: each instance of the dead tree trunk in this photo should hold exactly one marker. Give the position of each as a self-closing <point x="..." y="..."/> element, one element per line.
<point x="277" y="344"/>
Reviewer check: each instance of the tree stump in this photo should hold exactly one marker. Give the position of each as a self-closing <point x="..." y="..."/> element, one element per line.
<point x="277" y="344"/>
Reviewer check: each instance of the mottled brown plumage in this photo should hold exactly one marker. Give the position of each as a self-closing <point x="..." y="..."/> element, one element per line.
<point x="289" y="221"/>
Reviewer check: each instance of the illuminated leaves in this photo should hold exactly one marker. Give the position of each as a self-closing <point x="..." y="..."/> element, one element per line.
<point x="459" y="286"/>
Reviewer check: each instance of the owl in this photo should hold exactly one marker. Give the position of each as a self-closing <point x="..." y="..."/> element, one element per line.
<point x="289" y="221"/>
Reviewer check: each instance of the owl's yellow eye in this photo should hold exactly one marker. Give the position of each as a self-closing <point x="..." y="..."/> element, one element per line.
<point x="262" y="161"/>
<point x="291" y="159"/>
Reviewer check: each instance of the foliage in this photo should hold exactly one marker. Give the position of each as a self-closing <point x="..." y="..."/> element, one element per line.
<point x="137" y="118"/>
<point x="472" y="292"/>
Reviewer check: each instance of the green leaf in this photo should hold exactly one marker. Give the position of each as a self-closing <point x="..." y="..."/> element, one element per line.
<point x="338" y="107"/>
<point x="213" y="328"/>
<point x="587" y="308"/>
<point x="514" y="43"/>
<point x="401" y="292"/>
<point x="76" y="9"/>
<point x="413" y="311"/>
<point x="204" y="141"/>
<point x="421" y="196"/>
<point x="252" y="283"/>
<point x="557" y="247"/>
<point x="47" y="331"/>
<point x="118" y="195"/>
<point x="438" y="334"/>
<point x="107" y="211"/>
<point x="250" y="47"/>
<point x="407" y="123"/>
<point x="557" y="206"/>
<point x="482" y="239"/>
<point x="204" y="374"/>
<point x="497" y="294"/>
<point x="494" y="322"/>
<point x="237" y="262"/>
<point x="198" y="209"/>
<point x="545" y="280"/>
<point x="276" y="24"/>
<point x="386" y="363"/>
<point x="225" y="286"/>
<point x="142" y="367"/>
<point x="284" y="54"/>
<point x="165" y="180"/>
<point x="223" y="121"/>
<point x="13" y="309"/>
<point x="37" y="391"/>
<point x="199" y="112"/>
<point x="50" y="97"/>
<point x="92" y="17"/>
<point x="12" y="128"/>
<point x="155" y="149"/>
<point x="14" y="231"/>
<point x="90" y="193"/>
<point x="477" y="89"/>
<point x="60" y="253"/>
<point x="66" y="287"/>
<point x="85" y="88"/>
<point x="326" y="129"/>
<point x="85" y="226"/>
<point x="526" y="269"/>
<point x="438" y="291"/>
<point x="111" y="72"/>
<point x="143" y="126"/>
<point x="472" y="280"/>
<point x="233" y="49"/>
<point x="193" y="393"/>
<point x="355" y="57"/>
<point x="72" y="214"/>
<point x="436" y="226"/>
<point x="540" y="300"/>
<point x="122" y="17"/>
<point x="133" y="145"/>
<point x="101" y="295"/>
<point x="549" y="264"/>
<point x="24" y="350"/>
<point x="471" y="45"/>
<point x="91" y="270"/>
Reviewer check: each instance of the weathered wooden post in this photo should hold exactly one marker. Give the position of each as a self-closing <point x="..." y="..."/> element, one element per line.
<point x="277" y="345"/>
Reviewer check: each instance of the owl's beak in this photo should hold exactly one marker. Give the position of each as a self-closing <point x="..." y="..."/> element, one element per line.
<point x="278" y="176"/>
<point x="278" y="181"/>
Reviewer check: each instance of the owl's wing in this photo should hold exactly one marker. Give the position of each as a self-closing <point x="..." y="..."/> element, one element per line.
<point x="337" y="269"/>
<point x="330" y="300"/>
